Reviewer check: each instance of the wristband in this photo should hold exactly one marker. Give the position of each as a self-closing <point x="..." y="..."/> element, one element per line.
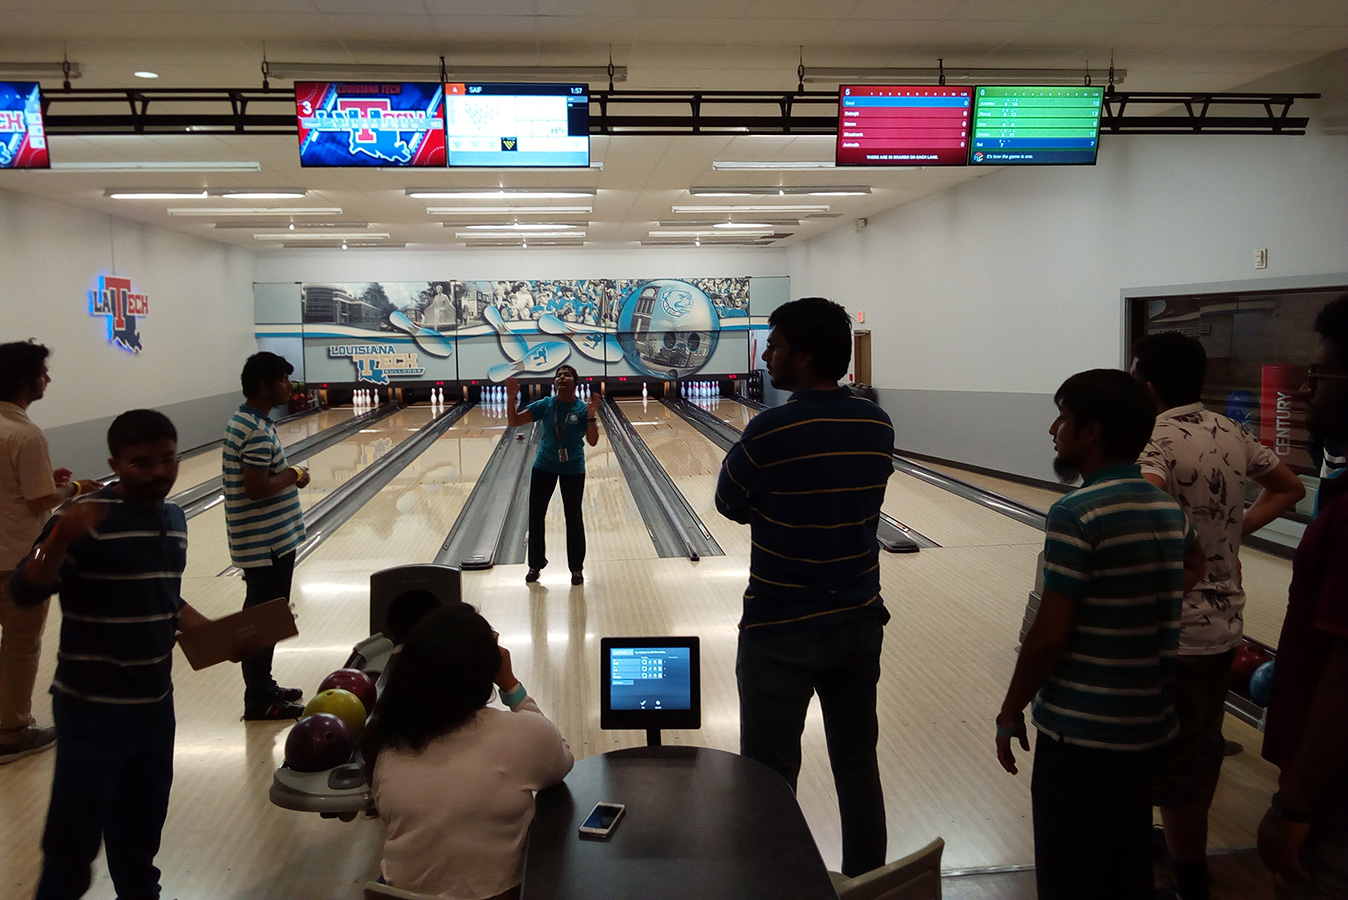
<point x="515" y="697"/>
<point x="299" y="473"/>
<point x="1007" y="732"/>
<point x="79" y="489"/>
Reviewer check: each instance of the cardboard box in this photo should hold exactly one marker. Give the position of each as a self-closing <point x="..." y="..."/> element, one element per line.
<point x="240" y="635"/>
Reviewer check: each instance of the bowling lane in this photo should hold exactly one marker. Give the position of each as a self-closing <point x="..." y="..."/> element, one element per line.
<point x="205" y="465"/>
<point x="693" y="462"/>
<point x="207" y="547"/>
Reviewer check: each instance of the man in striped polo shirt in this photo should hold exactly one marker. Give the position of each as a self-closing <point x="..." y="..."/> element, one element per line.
<point x="1099" y="661"/>
<point x="117" y="557"/>
<point x="263" y="518"/>
<point x="809" y="477"/>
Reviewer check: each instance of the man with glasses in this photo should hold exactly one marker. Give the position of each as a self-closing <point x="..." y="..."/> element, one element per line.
<point x="1303" y="838"/>
<point x="263" y="519"/>
<point x="29" y="490"/>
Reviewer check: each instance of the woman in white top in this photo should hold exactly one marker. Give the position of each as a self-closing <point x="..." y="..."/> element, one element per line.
<point x="453" y="778"/>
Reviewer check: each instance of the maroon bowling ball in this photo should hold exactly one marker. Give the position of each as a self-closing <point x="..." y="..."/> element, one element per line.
<point x="318" y="742"/>
<point x="355" y="681"/>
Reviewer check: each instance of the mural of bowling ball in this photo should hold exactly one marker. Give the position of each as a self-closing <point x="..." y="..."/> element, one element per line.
<point x="1243" y="407"/>
<point x="668" y="328"/>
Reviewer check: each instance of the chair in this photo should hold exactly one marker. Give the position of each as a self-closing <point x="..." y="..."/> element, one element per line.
<point x="376" y="891"/>
<point x="915" y="877"/>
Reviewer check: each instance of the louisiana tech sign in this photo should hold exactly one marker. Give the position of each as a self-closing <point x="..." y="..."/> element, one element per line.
<point x="122" y="307"/>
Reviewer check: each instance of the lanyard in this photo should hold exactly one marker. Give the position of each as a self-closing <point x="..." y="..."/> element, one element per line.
<point x="558" y="421"/>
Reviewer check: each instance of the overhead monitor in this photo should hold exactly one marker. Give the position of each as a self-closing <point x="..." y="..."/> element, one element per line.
<point x="23" y="138"/>
<point x="517" y="125"/>
<point x="1036" y="126"/>
<point x="370" y="123"/>
<point x="903" y="125"/>
<point x="650" y="683"/>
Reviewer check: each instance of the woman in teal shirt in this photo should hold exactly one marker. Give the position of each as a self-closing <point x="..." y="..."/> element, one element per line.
<point x="567" y="426"/>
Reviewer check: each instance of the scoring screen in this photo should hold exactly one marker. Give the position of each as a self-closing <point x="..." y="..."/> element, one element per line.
<point x="1036" y="125"/>
<point x="23" y="139"/>
<point x="889" y="125"/>
<point x="517" y="125"/>
<point x="650" y="678"/>
<point x="370" y="124"/>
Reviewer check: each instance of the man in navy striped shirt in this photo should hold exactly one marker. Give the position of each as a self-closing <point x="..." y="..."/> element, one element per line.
<point x="1099" y="661"/>
<point x="263" y="518"/>
<point x="809" y="477"/>
<point x="117" y="558"/>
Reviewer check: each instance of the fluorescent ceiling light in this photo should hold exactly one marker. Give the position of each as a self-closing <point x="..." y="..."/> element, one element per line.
<point x="758" y="222"/>
<point x="354" y="245"/>
<point x="299" y="71"/>
<point x="38" y="70"/>
<point x="708" y="232"/>
<point x="153" y="195"/>
<point x="294" y="194"/>
<point x="932" y="75"/>
<point x="500" y="193"/>
<point x="145" y="74"/>
<point x="349" y="226"/>
<point x="755" y="208"/>
<point x="781" y="190"/>
<point x="596" y="166"/>
<point x="726" y="165"/>
<point x="467" y="235"/>
<point x="323" y="236"/>
<point x="508" y="210"/>
<point x="255" y="211"/>
<point x="757" y="226"/>
<point x="519" y="226"/>
<point x="162" y="166"/>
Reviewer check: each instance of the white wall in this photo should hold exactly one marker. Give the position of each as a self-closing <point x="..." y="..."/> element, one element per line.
<point x="198" y="332"/>
<point x="985" y="297"/>
<point x="468" y="265"/>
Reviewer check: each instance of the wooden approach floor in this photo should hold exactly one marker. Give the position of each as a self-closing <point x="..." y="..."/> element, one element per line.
<point x="948" y="654"/>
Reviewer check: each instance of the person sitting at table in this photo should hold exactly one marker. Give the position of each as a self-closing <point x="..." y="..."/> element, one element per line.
<point x="452" y="778"/>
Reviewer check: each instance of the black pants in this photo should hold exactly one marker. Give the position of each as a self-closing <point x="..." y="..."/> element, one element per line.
<point x="264" y="583"/>
<point x="114" y="768"/>
<point x="777" y="675"/>
<point x="1092" y="821"/>
<point x="541" y="485"/>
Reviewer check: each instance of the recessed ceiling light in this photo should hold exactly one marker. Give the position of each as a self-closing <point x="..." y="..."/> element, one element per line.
<point x="153" y="195"/>
<point x="500" y="193"/>
<point x="254" y="210"/>
<point x="508" y="210"/>
<point x="145" y="74"/>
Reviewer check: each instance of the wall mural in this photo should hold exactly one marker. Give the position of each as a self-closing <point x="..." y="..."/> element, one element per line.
<point x="490" y="330"/>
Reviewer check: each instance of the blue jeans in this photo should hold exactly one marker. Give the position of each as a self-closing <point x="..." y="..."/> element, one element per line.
<point x="114" y="768"/>
<point x="777" y="674"/>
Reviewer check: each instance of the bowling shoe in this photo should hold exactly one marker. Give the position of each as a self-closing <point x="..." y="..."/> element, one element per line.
<point x="275" y="711"/>
<point x="32" y="740"/>
<point x="289" y="695"/>
<point x="531" y="576"/>
<point x="577" y="578"/>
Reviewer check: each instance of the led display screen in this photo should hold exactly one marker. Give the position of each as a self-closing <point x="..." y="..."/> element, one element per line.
<point x="370" y="124"/>
<point x="23" y="139"/>
<point x="517" y="125"/>
<point x="1055" y="126"/>
<point x="895" y="125"/>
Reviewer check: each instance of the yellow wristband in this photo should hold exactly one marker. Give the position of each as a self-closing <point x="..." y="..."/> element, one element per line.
<point x="299" y="473"/>
<point x="79" y="489"/>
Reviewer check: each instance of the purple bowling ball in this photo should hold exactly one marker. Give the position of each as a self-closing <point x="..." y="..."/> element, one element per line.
<point x="318" y="742"/>
<point x="1261" y="684"/>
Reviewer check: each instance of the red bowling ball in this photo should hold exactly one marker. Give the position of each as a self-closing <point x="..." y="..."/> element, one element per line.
<point x="355" y="681"/>
<point x="318" y="742"/>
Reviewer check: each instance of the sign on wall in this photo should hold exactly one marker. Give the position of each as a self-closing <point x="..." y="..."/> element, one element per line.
<point x="121" y="306"/>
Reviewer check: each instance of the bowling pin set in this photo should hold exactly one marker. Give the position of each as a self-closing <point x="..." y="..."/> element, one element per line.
<point x="365" y="399"/>
<point x="699" y="390"/>
<point x="437" y="397"/>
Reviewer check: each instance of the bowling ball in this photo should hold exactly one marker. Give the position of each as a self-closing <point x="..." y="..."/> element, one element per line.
<point x="355" y="681"/>
<point x="1249" y="656"/>
<point x="668" y="329"/>
<point x="341" y="703"/>
<point x="318" y="742"/>
<point x="1261" y="684"/>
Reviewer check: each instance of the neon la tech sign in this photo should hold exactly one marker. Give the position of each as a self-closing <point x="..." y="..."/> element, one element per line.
<point x="123" y="307"/>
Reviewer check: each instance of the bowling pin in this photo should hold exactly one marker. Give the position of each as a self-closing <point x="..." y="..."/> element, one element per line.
<point x="644" y="395"/>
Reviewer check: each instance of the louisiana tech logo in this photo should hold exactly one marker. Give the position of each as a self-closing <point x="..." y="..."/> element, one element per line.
<point x="122" y="307"/>
<point x="677" y="302"/>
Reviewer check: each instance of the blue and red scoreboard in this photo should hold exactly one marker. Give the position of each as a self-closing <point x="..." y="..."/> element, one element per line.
<point x="370" y="123"/>
<point x="23" y="139"/>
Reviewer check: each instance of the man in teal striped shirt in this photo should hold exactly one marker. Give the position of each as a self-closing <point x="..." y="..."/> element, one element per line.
<point x="263" y="518"/>
<point x="1099" y="660"/>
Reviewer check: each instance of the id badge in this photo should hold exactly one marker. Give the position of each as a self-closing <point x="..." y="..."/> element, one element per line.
<point x="561" y="454"/>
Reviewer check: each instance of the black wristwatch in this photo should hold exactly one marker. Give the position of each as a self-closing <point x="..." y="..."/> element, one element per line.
<point x="1281" y="809"/>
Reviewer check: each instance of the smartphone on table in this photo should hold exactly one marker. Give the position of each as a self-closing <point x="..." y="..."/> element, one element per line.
<point x="601" y="821"/>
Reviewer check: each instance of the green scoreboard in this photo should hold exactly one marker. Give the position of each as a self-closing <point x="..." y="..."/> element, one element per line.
<point x="1024" y="125"/>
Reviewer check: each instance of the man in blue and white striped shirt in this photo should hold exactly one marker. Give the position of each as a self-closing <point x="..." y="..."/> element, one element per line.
<point x="263" y="518"/>
<point x="1099" y="661"/>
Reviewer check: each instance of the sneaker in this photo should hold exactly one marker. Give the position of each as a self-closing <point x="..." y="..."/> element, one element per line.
<point x="33" y="740"/>
<point x="275" y="711"/>
<point x="531" y="576"/>
<point x="577" y="578"/>
<point x="289" y="695"/>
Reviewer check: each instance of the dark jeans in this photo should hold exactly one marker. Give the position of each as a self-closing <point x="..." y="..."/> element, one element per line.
<point x="777" y="674"/>
<point x="264" y="583"/>
<point x="114" y="768"/>
<point x="541" y="486"/>
<point x="1092" y="821"/>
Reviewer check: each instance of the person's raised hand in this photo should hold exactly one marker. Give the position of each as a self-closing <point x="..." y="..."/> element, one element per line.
<point x="512" y="385"/>
<point x="505" y="676"/>
<point x="78" y="519"/>
<point x="592" y="405"/>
